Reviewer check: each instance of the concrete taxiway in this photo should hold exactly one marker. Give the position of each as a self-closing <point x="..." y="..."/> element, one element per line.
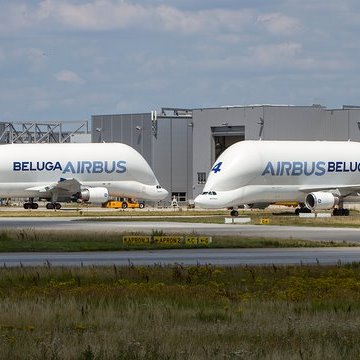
<point x="226" y="257"/>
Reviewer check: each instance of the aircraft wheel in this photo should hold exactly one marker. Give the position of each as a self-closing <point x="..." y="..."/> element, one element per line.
<point x="124" y="205"/>
<point x="50" y="206"/>
<point x="141" y="205"/>
<point x="57" y="206"/>
<point x="34" y="206"/>
<point x="26" y="205"/>
<point x="341" y="212"/>
<point x="303" y="210"/>
<point x="234" y="212"/>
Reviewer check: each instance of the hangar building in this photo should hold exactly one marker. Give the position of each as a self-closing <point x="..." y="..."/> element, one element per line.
<point x="182" y="144"/>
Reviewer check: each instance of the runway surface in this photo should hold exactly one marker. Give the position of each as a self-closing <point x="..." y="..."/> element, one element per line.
<point x="320" y="256"/>
<point x="268" y="231"/>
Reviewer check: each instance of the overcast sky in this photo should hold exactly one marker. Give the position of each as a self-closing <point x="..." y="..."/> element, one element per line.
<point x="68" y="60"/>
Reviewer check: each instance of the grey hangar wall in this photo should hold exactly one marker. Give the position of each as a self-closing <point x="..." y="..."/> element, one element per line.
<point x="181" y="146"/>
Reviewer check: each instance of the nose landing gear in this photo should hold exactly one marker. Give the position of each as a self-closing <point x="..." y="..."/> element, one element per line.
<point x="234" y="212"/>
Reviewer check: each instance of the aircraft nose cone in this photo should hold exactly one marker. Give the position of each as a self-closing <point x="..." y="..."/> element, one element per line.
<point x="161" y="194"/>
<point x="165" y="193"/>
<point x="208" y="201"/>
<point x="199" y="201"/>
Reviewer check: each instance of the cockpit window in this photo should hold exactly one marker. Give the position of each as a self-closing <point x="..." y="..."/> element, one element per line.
<point x="209" y="193"/>
<point x="204" y="193"/>
<point x="158" y="186"/>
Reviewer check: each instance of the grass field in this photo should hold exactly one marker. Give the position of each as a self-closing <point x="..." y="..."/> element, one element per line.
<point x="199" y="312"/>
<point x="176" y="312"/>
<point x="37" y="240"/>
<point x="274" y="219"/>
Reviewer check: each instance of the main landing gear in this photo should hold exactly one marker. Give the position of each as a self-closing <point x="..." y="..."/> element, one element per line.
<point x="31" y="204"/>
<point x="302" y="210"/>
<point x="53" y="205"/>
<point x="341" y="212"/>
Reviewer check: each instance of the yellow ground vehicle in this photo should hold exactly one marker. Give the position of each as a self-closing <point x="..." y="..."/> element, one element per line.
<point x="288" y="203"/>
<point x="124" y="203"/>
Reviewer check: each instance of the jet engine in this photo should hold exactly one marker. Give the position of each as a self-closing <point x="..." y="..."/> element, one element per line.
<point x="321" y="200"/>
<point x="94" y="195"/>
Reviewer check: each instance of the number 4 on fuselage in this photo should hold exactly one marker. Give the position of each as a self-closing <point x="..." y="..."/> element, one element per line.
<point x="216" y="167"/>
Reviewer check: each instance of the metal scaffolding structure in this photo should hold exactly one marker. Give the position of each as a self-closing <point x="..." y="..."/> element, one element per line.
<point x="40" y="132"/>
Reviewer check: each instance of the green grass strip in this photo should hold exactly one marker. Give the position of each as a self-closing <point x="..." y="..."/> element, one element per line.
<point x="35" y="240"/>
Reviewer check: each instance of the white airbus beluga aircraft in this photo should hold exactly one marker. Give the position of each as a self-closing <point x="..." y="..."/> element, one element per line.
<point x="77" y="172"/>
<point x="318" y="175"/>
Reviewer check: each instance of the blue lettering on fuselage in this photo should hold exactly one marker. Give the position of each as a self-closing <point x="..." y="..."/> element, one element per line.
<point x="76" y="167"/>
<point x="306" y="168"/>
<point x="343" y="166"/>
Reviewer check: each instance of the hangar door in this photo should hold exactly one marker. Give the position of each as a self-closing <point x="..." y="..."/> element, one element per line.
<point x="225" y="136"/>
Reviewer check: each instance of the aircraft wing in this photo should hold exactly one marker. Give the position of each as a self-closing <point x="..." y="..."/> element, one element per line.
<point x="68" y="186"/>
<point x="343" y="190"/>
